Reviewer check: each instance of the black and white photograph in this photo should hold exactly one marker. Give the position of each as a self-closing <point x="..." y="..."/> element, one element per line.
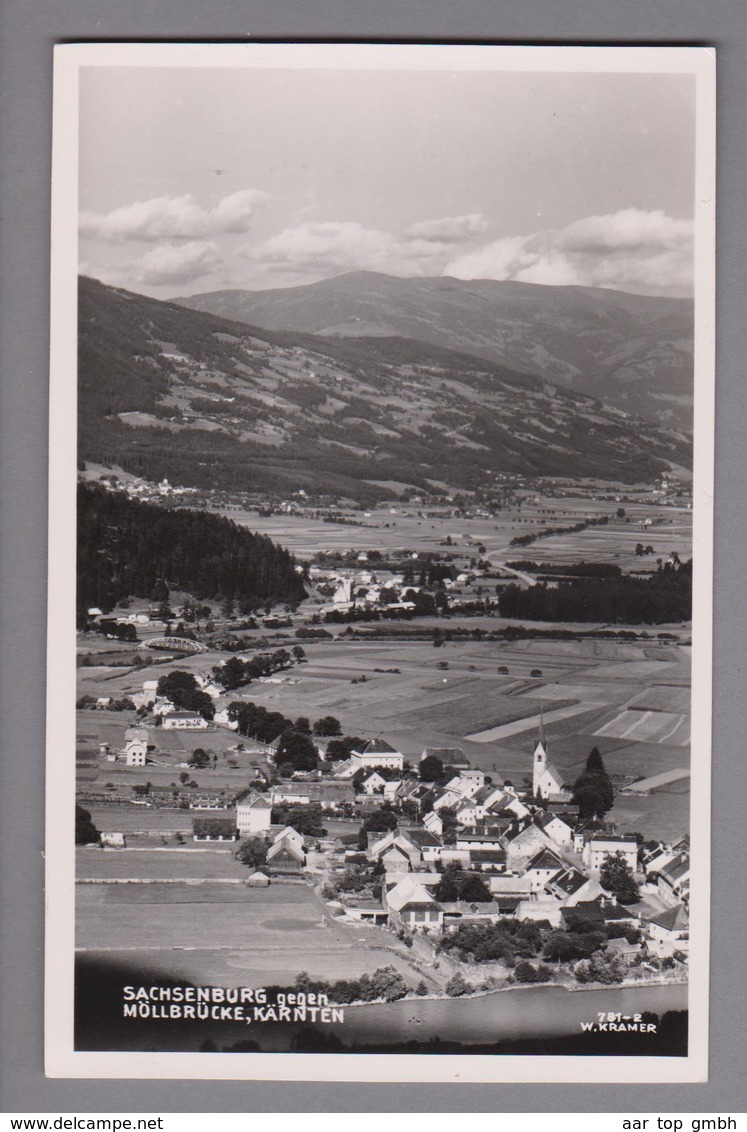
<point x="381" y="465"/>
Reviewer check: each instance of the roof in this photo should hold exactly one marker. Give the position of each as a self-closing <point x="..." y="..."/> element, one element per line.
<point x="492" y="835"/>
<point x="600" y="909"/>
<point x="408" y="891"/>
<point x="422" y="837"/>
<point x="553" y="770"/>
<point x="615" y="838"/>
<point x="472" y="908"/>
<point x="564" y="818"/>
<point x="570" y="881"/>
<point x="488" y="856"/>
<point x="253" y="800"/>
<point x="676" y="869"/>
<point x="545" y="859"/>
<point x="377" y="747"/>
<point x="674" y="919"/>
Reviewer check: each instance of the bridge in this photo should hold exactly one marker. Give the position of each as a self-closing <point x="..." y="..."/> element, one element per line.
<point x="178" y="644"/>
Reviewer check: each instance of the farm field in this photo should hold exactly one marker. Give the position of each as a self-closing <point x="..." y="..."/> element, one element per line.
<point x="397" y="525"/>
<point x="591" y="692"/>
<point x="229" y="934"/>
<point x="629" y="698"/>
<point x="158" y="864"/>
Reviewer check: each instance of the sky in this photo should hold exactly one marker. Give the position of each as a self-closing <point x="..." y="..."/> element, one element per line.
<point x="195" y="180"/>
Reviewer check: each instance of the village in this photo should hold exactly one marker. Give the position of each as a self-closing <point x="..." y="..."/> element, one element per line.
<point x="471" y="880"/>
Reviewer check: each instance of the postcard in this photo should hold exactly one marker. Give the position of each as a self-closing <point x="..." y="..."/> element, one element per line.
<point x="380" y="583"/>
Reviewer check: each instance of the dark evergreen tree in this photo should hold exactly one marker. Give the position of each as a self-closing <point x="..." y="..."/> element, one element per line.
<point x="86" y="832"/>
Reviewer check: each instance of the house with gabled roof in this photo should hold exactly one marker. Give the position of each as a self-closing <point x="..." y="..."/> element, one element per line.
<point x="587" y="829"/>
<point x="524" y="842"/>
<point x="602" y="909"/>
<point x="377" y="752"/>
<point x="601" y="846"/>
<point x="669" y="931"/>
<point x="373" y="783"/>
<point x="395" y="860"/>
<point x="544" y="865"/>
<point x="253" y="813"/>
<point x="286" y="856"/>
<point x="466" y="812"/>
<point x="571" y="887"/>
<point x="488" y="860"/>
<point x="411" y="905"/>
<point x="673" y="880"/>
<point x="398" y="838"/>
<point x="470" y="912"/>
<point x="545" y="908"/>
<point x="433" y="823"/>
<point x="559" y="828"/>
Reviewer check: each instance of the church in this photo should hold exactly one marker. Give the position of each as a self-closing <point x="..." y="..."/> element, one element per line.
<point x="547" y="780"/>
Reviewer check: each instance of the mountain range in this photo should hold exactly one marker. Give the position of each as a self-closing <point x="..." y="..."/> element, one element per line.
<point x="631" y="351"/>
<point x="165" y="390"/>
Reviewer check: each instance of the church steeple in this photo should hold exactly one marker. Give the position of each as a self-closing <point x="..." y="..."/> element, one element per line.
<point x="540" y="755"/>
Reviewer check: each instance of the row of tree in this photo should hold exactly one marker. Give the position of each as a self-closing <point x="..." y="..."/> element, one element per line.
<point x="665" y="596"/>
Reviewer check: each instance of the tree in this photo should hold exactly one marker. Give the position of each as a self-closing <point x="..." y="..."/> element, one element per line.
<point x="160" y="592"/>
<point x="199" y="758"/>
<point x="457" y="986"/>
<point x="252" y="852"/>
<point x="183" y="691"/>
<point x="339" y="749"/>
<point x="593" y="795"/>
<point x="305" y="819"/>
<point x="450" y="824"/>
<point x="86" y="832"/>
<point x="475" y="890"/>
<point x="430" y="768"/>
<point x="447" y="889"/>
<point x="327" y="725"/>
<point x="303" y="724"/>
<point x="297" y="749"/>
<point x="600" y="968"/>
<point x="617" y="877"/>
<point x="620" y="512"/>
<point x="592" y="791"/>
<point x="594" y="764"/>
<point x="232" y="674"/>
<point x="388" y="984"/>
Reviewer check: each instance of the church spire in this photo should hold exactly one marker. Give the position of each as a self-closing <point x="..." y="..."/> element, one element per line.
<point x="541" y="736"/>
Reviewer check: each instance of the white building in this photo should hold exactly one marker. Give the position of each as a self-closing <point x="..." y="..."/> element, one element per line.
<point x="185" y="721"/>
<point x="603" y="845"/>
<point x="253" y="813"/>
<point x="377" y="752"/>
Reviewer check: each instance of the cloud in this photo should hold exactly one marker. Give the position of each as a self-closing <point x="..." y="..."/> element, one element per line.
<point x="176" y="218"/>
<point x="329" y="247"/>
<point x="332" y="246"/>
<point x="177" y="263"/>
<point x="631" y="250"/>
<point x="449" y="229"/>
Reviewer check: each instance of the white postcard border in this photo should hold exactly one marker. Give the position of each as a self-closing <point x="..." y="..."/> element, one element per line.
<point x="62" y="1061"/>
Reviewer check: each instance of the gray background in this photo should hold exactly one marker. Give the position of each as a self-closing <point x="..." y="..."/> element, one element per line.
<point x="28" y="30"/>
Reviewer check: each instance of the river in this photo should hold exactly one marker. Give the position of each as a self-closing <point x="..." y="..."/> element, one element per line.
<point x="525" y="1012"/>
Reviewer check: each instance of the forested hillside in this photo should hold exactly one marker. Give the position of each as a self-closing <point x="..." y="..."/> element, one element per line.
<point x="125" y="547"/>
<point x="166" y="391"/>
